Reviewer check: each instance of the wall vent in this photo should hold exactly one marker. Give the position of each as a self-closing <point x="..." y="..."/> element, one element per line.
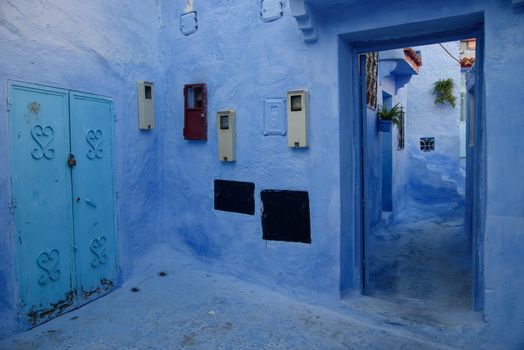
<point x="427" y="144"/>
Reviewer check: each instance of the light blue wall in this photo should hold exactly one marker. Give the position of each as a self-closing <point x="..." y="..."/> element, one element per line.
<point x="395" y="161"/>
<point x="373" y="173"/>
<point x="165" y="184"/>
<point x="243" y="61"/>
<point x="400" y="169"/>
<point x="99" y="47"/>
<point x="504" y="35"/>
<point x="437" y="173"/>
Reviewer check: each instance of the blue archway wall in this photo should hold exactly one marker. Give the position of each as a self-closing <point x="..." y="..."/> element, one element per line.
<point x="494" y="284"/>
<point x="369" y="186"/>
<point x="165" y="184"/>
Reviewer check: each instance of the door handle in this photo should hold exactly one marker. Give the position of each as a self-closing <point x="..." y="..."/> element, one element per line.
<point x="90" y="202"/>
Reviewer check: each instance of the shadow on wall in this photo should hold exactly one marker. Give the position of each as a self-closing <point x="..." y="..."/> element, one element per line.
<point x="199" y="242"/>
<point x="427" y="182"/>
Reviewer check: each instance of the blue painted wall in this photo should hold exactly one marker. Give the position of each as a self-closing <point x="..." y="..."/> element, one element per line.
<point x="244" y="60"/>
<point x="165" y="184"/>
<point x="434" y="174"/>
<point x="395" y="161"/>
<point x="99" y="47"/>
<point x="401" y="167"/>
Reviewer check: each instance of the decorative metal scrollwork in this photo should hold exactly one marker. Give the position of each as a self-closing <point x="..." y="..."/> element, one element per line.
<point x="94" y="139"/>
<point x="98" y="248"/>
<point x="371" y="79"/>
<point x="48" y="262"/>
<point x="43" y="136"/>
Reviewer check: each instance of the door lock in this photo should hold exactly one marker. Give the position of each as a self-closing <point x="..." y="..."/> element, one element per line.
<point x="71" y="161"/>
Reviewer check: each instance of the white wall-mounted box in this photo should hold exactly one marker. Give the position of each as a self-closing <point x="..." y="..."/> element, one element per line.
<point x="275" y="116"/>
<point x="297" y="118"/>
<point x="226" y="129"/>
<point x="146" y="105"/>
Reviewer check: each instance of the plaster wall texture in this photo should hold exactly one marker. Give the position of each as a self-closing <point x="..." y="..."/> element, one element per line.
<point x="165" y="184"/>
<point x="243" y="63"/>
<point x="398" y="177"/>
<point x="426" y="119"/>
<point x="257" y="60"/>
<point x="400" y="159"/>
<point x="373" y="180"/>
<point x="501" y="168"/>
<point x="98" y="47"/>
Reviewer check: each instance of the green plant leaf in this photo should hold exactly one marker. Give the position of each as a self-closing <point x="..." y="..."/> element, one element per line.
<point x="392" y="114"/>
<point x="443" y="91"/>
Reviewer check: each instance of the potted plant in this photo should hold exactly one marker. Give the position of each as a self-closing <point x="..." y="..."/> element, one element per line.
<point x="387" y="117"/>
<point x="443" y="91"/>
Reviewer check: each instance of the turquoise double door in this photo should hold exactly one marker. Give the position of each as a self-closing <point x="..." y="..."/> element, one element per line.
<point x="62" y="198"/>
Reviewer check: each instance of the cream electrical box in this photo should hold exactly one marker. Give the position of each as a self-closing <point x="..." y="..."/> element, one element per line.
<point x="226" y="128"/>
<point x="146" y="105"/>
<point x="297" y="118"/>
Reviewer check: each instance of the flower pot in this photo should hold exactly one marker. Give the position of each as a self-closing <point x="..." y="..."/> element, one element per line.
<point x="384" y="125"/>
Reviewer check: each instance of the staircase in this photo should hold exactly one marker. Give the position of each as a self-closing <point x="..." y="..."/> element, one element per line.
<point x="435" y="178"/>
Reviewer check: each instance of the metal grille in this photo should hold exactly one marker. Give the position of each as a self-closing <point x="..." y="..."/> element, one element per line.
<point x="401" y="128"/>
<point x="427" y="144"/>
<point x="371" y="79"/>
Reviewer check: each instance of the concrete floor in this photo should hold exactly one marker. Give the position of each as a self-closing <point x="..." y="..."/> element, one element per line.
<point x="192" y="308"/>
<point x="420" y="274"/>
<point x="422" y="255"/>
<point x="418" y="297"/>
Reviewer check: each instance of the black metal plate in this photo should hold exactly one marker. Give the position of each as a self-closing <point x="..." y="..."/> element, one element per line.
<point x="235" y="196"/>
<point x="285" y="216"/>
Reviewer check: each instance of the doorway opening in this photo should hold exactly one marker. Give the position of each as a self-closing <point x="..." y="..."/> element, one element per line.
<point x="417" y="184"/>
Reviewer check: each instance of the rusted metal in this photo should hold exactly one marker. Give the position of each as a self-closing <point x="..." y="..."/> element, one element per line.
<point x="55" y="309"/>
<point x="106" y="285"/>
<point x="106" y="282"/>
<point x="89" y="293"/>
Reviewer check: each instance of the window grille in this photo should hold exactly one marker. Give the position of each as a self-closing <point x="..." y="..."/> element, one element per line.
<point x="371" y="79"/>
<point x="427" y="144"/>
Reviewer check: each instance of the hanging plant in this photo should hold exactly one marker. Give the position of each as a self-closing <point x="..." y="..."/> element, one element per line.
<point x="393" y="114"/>
<point x="387" y="117"/>
<point x="443" y="91"/>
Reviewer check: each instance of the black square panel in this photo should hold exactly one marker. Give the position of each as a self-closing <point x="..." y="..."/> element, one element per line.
<point x="285" y="216"/>
<point x="235" y="196"/>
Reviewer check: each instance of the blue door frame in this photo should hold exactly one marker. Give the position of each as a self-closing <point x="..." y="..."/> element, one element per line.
<point x="63" y="211"/>
<point x="359" y="43"/>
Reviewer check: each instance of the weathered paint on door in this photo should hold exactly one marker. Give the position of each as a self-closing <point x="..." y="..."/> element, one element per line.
<point x="39" y="126"/>
<point x="94" y="225"/>
<point x="64" y="214"/>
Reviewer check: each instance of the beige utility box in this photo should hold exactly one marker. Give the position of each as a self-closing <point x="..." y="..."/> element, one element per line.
<point x="226" y="128"/>
<point x="297" y="118"/>
<point x="146" y="105"/>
